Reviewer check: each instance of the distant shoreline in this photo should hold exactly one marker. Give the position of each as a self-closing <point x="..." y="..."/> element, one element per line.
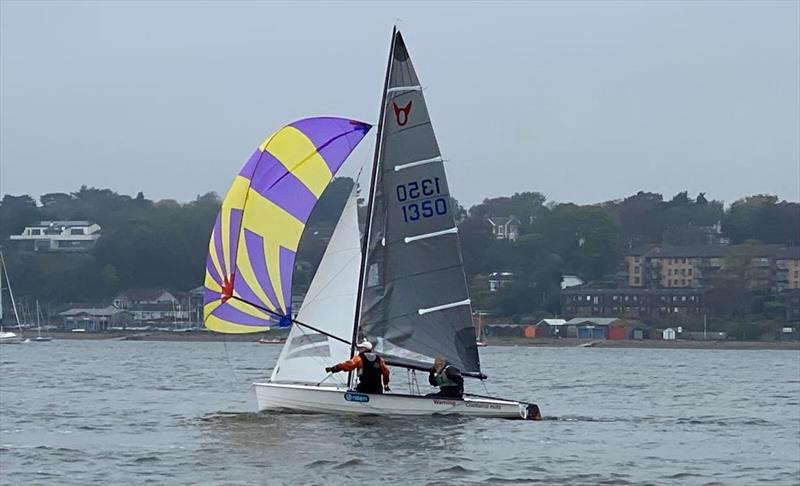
<point x="644" y="343"/>
<point x="206" y="336"/>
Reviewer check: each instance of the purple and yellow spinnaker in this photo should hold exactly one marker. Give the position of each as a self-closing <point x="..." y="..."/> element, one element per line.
<point x="252" y="248"/>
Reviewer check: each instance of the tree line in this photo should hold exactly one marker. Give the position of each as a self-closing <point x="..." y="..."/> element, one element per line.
<point x="163" y="244"/>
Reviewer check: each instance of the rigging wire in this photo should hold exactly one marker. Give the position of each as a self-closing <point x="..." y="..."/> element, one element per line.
<point x="230" y="365"/>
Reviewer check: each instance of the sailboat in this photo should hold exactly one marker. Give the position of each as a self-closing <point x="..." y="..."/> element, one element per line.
<point x="480" y="340"/>
<point x="402" y="285"/>
<point x="8" y="337"/>
<point x="39" y="338"/>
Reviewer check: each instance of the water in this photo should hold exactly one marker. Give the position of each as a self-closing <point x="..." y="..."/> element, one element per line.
<point x="90" y="412"/>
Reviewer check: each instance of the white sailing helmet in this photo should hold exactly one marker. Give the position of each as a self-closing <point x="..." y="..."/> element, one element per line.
<point x="365" y="344"/>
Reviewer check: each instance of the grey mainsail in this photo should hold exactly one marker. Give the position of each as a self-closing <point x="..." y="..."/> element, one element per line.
<point x="415" y="303"/>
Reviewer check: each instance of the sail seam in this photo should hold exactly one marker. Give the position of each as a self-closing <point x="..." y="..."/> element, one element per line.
<point x="444" y="306"/>
<point x="409" y="239"/>
<point x="396" y="89"/>
<point x="418" y="162"/>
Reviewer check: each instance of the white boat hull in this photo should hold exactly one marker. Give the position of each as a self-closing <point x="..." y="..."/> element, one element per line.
<point x="312" y="399"/>
<point x="9" y="338"/>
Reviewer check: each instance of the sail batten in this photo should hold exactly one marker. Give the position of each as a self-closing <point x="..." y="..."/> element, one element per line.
<point x="248" y="283"/>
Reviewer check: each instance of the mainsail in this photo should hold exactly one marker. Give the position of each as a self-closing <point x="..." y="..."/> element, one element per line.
<point x="251" y="252"/>
<point x="329" y="305"/>
<point x="415" y="303"/>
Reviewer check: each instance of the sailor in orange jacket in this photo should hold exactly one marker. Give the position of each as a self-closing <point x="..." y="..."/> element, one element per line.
<point x="371" y="368"/>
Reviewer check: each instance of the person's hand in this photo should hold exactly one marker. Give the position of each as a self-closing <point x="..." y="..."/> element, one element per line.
<point x="386" y="388"/>
<point x="329" y="370"/>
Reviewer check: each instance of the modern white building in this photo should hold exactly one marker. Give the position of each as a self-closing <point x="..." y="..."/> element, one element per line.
<point x="58" y="236"/>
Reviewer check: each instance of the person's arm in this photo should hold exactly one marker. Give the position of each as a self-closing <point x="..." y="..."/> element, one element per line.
<point x="385" y="373"/>
<point x="432" y="377"/>
<point x="348" y="365"/>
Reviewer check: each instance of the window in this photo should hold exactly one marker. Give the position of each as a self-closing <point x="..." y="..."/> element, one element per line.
<point x="36" y="231"/>
<point x="76" y="231"/>
<point x="683" y="298"/>
<point x="683" y="260"/>
<point x="683" y="271"/>
<point x="690" y="272"/>
<point x="636" y="280"/>
<point x="635" y="298"/>
<point x="596" y="299"/>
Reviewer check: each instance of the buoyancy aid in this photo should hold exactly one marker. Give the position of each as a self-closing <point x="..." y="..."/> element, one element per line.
<point x="370" y="372"/>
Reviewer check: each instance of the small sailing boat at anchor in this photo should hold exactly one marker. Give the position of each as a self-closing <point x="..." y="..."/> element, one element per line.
<point x="402" y="285"/>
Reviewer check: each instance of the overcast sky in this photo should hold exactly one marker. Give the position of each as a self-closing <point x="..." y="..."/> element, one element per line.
<point x="584" y="102"/>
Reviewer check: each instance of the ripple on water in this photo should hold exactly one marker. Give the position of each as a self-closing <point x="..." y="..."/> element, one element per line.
<point x="151" y="417"/>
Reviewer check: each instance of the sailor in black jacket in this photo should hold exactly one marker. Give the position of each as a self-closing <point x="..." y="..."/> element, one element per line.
<point x="448" y="378"/>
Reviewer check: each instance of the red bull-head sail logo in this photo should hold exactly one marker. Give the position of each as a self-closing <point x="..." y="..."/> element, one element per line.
<point x="401" y="114"/>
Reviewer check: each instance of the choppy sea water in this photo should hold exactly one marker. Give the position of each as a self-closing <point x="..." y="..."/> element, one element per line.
<point x="133" y="412"/>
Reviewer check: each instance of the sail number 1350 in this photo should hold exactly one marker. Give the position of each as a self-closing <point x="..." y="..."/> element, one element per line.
<point x="419" y="199"/>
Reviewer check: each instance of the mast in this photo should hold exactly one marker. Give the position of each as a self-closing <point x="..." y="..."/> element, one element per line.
<point x="38" y="321"/>
<point x="10" y="292"/>
<point x="371" y="205"/>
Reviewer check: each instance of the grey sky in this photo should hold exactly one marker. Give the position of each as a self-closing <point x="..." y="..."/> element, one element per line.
<point x="584" y="102"/>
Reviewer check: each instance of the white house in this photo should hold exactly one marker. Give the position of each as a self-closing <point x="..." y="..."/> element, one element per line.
<point x="60" y="235"/>
<point x="498" y="280"/>
<point x="668" y="334"/>
<point x="130" y="298"/>
<point x="505" y="227"/>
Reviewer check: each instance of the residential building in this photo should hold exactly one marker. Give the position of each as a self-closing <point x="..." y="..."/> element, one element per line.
<point x="166" y="312"/>
<point x="133" y="297"/>
<point x="631" y="302"/>
<point x="505" y="227"/>
<point x="767" y="267"/>
<point x="59" y="236"/>
<point x="498" y="280"/>
<point x="787" y="262"/>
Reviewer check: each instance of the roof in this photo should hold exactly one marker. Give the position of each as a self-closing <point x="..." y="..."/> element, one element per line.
<point x="47" y="224"/>
<point x="789" y="253"/>
<point x="568" y="281"/>
<point x="713" y="251"/>
<point x="144" y="294"/>
<point x="597" y="321"/>
<point x="92" y="311"/>
<point x="631" y="291"/>
<point x="690" y="251"/>
<point x="552" y="322"/>
<point x="500" y="220"/>
<point x="641" y="250"/>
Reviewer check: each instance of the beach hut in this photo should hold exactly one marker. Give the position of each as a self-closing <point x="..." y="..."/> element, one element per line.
<point x="617" y="331"/>
<point x="668" y="334"/>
